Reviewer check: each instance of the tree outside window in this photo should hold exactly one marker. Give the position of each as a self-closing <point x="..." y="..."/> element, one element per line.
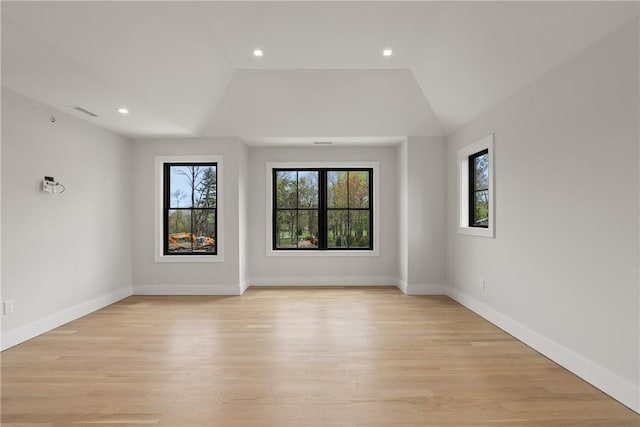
<point x="479" y="189"/>
<point x="190" y="208"/>
<point x="322" y="209"/>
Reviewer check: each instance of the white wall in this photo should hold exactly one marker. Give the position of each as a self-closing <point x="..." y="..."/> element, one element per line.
<point x="562" y="272"/>
<point x="423" y="180"/>
<point x="63" y="255"/>
<point x="345" y="270"/>
<point x="150" y="277"/>
<point x="243" y="213"/>
<point x="403" y="215"/>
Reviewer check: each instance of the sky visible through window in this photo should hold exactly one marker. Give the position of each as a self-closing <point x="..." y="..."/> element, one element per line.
<point x="182" y="187"/>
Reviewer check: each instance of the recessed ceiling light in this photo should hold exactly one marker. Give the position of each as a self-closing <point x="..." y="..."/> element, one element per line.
<point x="123" y="111"/>
<point x="257" y="52"/>
<point x="387" y="52"/>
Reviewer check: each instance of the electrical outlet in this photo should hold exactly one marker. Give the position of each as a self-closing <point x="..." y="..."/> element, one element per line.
<point x="8" y="306"/>
<point x="483" y="284"/>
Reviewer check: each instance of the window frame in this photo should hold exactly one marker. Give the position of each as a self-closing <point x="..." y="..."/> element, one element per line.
<point x="272" y="167"/>
<point x="166" y="208"/>
<point x="275" y="208"/>
<point x="161" y="163"/>
<point x="323" y="209"/>
<point x="465" y="186"/>
<point x="473" y="190"/>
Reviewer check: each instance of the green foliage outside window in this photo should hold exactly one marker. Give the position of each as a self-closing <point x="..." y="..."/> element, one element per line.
<point x="341" y="206"/>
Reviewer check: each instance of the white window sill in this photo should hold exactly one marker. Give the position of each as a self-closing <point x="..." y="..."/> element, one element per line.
<point x="189" y="258"/>
<point x="476" y="231"/>
<point x="312" y="253"/>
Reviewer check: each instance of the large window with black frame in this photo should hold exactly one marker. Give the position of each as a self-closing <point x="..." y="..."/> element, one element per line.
<point x="190" y="208"/>
<point x="479" y="189"/>
<point x="322" y="209"/>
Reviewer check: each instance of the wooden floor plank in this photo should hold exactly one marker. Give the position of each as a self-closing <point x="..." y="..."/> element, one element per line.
<point x="292" y="357"/>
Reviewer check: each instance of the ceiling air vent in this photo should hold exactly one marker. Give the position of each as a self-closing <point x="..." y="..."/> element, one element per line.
<point x="87" y="112"/>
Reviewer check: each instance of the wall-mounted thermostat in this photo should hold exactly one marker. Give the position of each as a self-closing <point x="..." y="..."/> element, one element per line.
<point x="50" y="185"/>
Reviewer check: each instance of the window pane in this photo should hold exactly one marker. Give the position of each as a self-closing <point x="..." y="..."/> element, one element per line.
<point x="481" y="172"/>
<point x="205" y="186"/>
<point x="181" y="189"/>
<point x="481" y="208"/>
<point x="191" y="199"/>
<point x="337" y="189"/>
<point x="307" y="229"/>
<point x="204" y="234"/>
<point x="337" y="229"/>
<point x="345" y="219"/>
<point x="286" y="189"/>
<point x="286" y="225"/>
<point x="358" y="189"/>
<point x="179" y="238"/>
<point x="307" y="189"/>
<point x="359" y="229"/>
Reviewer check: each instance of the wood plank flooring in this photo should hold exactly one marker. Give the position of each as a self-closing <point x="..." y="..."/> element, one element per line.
<point x="292" y="357"/>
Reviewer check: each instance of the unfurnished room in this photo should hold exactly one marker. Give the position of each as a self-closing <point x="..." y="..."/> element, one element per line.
<point x="320" y="213"/>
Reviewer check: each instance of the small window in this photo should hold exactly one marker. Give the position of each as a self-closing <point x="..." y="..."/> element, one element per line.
<point x="479" y="189"/>
<point x="190" y="209"/>
<point x="322" y="209"/>
<point x="476" y="196"/>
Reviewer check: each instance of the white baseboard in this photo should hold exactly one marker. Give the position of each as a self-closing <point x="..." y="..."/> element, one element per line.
<point x="620" y="389"/>
<point x="402" y="285"/>
<point x="40" y="326"/>
<point x="244" y="285"/>
<point x="188" y="289"/>
<point x="423" y="289"/>
<point x="323" y="281"/>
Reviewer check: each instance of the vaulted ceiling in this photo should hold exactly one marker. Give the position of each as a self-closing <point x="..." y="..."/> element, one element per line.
<point x="186" y="69"/>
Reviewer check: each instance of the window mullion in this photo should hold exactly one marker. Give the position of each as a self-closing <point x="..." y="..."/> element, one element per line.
<point x="295" y="232"/>
<point x="370" y="183"/>
<point x="348" y="236"/>
<point x="322" y="209"/>
<point x="274" y="212"/>
<point x="167" y="190"/>
<point x="193" y="202"/>
<point x="472" y="194"/>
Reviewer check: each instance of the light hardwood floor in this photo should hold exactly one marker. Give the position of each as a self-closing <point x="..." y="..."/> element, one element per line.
<point x="292" y="357"/>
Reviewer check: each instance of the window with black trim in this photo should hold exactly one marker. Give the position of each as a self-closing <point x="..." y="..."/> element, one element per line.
<point x="322" y="209"/>
<point x="190" y="208"/>
<point x="479" y="189"/>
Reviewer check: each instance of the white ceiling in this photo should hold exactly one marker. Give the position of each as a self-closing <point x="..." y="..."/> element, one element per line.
<point x="185" y="69"/>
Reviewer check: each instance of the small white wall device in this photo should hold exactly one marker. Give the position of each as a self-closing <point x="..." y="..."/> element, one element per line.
<point x="50" y="185"/>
